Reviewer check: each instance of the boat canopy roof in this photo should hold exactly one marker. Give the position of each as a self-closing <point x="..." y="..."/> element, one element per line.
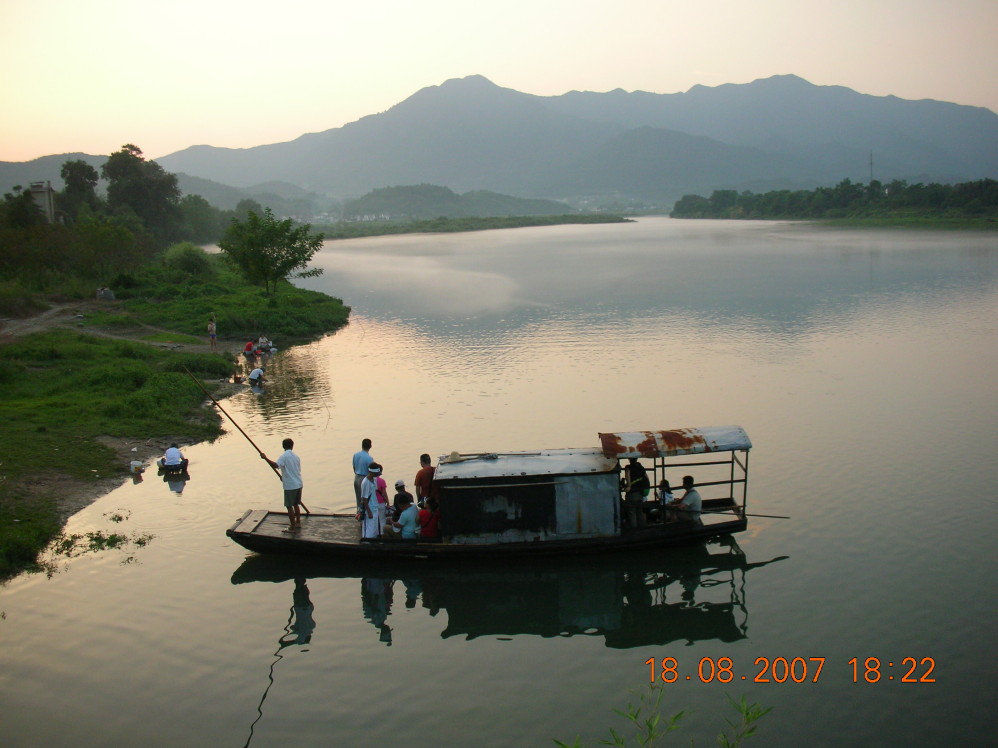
<point x="520" y="464"/>
<point x="624" y="444"/>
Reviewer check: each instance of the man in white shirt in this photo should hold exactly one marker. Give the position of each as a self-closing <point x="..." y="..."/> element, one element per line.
<point x="686" y="508"/>
<point x="256" y="376"/>
<point x="173" y="459"/>
<point x="290" y="466"/>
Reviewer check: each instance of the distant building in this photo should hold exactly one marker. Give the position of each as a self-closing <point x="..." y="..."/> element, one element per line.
<point x="44" y="197"/>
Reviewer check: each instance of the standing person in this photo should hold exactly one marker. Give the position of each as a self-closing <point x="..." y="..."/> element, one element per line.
<point x="290" y="466"/>
<point x="212" y="333"/>
<point x="424" y="485"/>
<point x="372" y="515"/>
<point x="361" y="462"/>
<point x="635" y="486"/>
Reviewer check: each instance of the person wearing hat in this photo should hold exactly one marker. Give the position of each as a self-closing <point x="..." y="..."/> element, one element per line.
<point x="371" y="510"/>
<point x="400" y="492"/>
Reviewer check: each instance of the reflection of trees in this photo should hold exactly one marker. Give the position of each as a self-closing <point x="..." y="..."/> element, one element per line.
<point x="690" y="594"/>
<point x="295" y="379"/>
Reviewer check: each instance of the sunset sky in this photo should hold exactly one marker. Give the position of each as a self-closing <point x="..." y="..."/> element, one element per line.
<point x="92" y="75"/>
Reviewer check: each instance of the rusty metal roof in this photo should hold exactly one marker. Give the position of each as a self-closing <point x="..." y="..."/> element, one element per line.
<point x="650" y="444"/>
<point x="512" y="464"/>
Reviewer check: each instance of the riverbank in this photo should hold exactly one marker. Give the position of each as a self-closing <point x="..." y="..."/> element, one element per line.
<point x="88" y="388"/>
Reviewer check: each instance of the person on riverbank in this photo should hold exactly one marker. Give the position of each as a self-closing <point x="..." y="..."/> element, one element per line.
<point x="372" y="515"/>
<point x="212" y="334"/>
<point x="249" y="350"/>
<point x="173" y="459"/>
<point x="256" y="376"/>
<point x="361" y="462"/>
<point x="289" y="465"/>
<point x="424" y="485"/>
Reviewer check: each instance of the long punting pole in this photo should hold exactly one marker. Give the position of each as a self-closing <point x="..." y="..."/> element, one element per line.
<point x="258" y="450"/>
<point x="217" y="405"/>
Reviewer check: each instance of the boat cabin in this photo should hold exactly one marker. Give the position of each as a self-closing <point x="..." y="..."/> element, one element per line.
<point x="574" y="494"/>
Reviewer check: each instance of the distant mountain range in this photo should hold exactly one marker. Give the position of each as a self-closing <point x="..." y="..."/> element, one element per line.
<point x="469" y="135"/>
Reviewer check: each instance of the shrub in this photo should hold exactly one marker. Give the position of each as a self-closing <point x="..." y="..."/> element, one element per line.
<point x="189" y="259"/>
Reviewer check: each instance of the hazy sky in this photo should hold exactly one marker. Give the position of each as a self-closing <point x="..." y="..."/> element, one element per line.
<point x="91" y="75"/>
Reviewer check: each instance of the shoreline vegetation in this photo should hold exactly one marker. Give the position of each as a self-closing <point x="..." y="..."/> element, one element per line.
<point x="970" y="205"/>
<point x="358" y="229"/>
<point x="89" y="386"/>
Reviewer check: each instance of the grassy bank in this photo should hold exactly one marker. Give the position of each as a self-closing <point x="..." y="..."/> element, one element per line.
<point x="61" y="390"/>
<point x="181" y="299"/>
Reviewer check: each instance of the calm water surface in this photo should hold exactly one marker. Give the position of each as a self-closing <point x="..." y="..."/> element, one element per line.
<point x="860" y="363"/>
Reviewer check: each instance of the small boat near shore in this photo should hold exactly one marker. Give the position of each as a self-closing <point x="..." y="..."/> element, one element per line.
<point x="545" y="502"/>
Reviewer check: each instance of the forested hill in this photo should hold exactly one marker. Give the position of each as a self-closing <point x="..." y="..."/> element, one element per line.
<point x="896" y="201"/>
<point x="432" y="201"/>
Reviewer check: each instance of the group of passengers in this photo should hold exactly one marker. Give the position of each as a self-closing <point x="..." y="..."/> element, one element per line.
<point x="637" y="487"/>
<point x="406" y="517"/>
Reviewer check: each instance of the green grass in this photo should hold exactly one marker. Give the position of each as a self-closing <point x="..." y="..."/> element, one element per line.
<point x="167" y="298"/>
<point x="169" y="337"/>
<point x="60" y="390"/>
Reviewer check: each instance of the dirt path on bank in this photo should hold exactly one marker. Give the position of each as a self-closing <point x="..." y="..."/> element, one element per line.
<point x="72" y="494"/>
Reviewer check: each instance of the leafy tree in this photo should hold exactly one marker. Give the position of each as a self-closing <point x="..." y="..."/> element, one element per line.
<point x="81" y="187"/>
<point x="268" y="251"/>
<point x="201" y="221"/>
<point x="146" y="188"/>
<point x="246" y="206"/>
<point x="19" y="210"/>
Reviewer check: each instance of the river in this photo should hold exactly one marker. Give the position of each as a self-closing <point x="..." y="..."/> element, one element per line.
<point x="861" y="364"/>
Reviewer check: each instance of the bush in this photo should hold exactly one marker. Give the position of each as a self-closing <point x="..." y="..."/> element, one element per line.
<point x="189" y="259"/>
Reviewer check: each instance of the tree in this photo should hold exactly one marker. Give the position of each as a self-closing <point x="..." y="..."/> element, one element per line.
<point x="145" y="187"/>
<point x="202" y="222"/>
<point x="268" y="251"/>
<point x="19" y="210"/>
<point x="81" y="187"/>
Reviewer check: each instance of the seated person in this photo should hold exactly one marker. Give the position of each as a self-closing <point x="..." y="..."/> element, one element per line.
<point x="407" y="521"/>
<point x="429" y="519"/>
<point x="687" y="508"/>
<point x="400" y="493"/>
<point x="664" y="492"/>
<point x="173" y="459"/>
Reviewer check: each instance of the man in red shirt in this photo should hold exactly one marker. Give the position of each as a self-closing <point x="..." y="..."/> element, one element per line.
<point x="423" y="484"/>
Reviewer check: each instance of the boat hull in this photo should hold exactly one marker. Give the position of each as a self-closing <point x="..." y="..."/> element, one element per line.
<point x="336" y="535"/>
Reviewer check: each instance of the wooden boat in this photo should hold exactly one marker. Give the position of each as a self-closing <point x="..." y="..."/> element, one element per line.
<point x="547" y="502"/>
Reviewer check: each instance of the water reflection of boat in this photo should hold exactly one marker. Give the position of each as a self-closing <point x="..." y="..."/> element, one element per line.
<point x="631" y="599"/>
<point x="558" y="501"/>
